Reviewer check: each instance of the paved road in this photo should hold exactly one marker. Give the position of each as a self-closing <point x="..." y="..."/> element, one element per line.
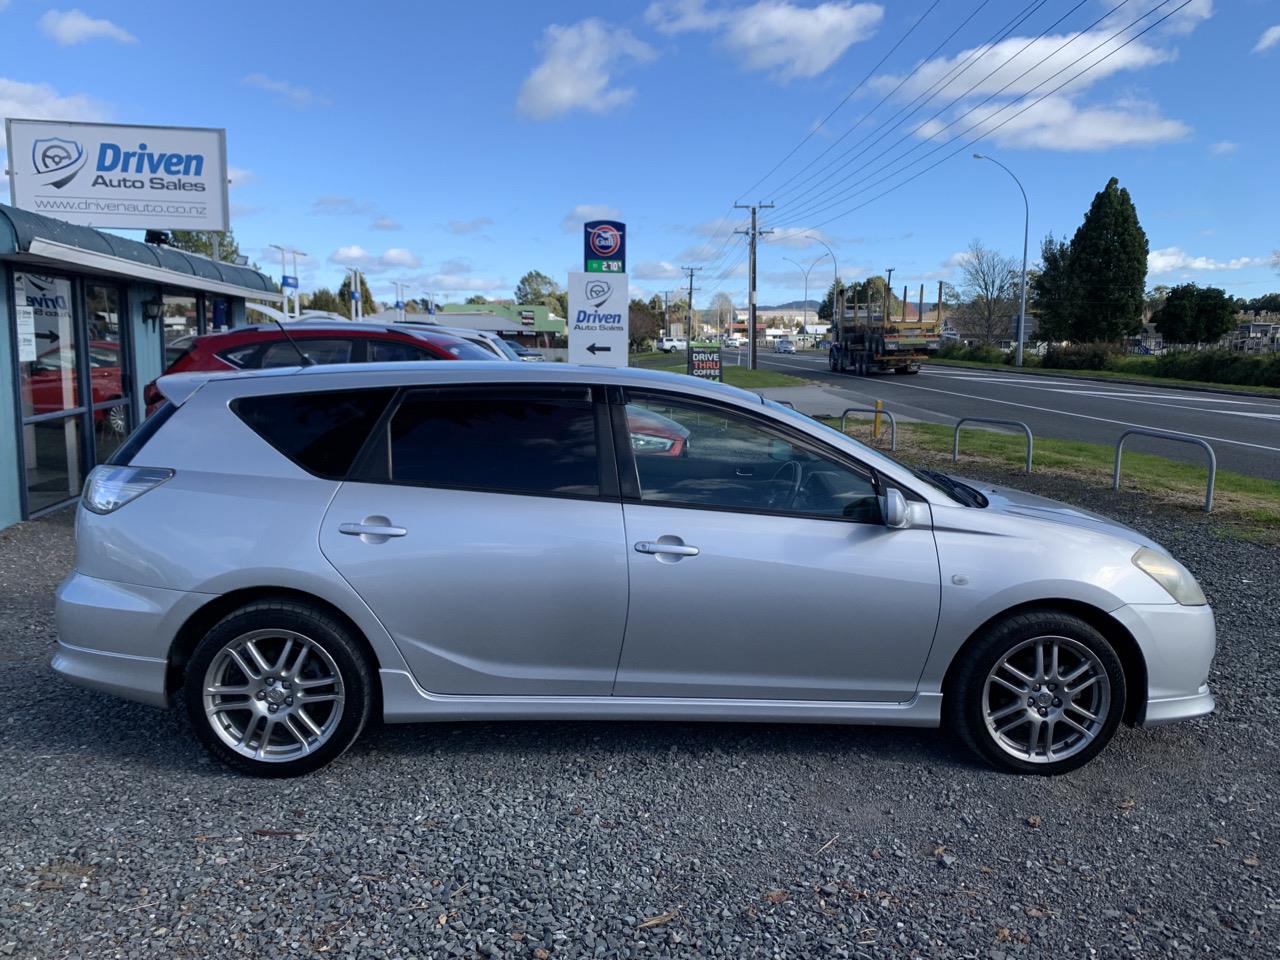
<point x="1244" y="431"/>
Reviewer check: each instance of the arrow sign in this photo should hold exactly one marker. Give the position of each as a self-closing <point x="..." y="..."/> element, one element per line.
<point x="594" y="349"/>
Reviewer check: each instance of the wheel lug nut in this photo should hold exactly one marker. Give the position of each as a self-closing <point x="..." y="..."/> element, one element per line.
<point x="1036" y="687"/>
<point x="273" y="708"/>
<point x="271" y="682"/>
<point x="1057" y="702"/>
<point x="1044" y="712"/>
<point x="1053" y="686"/>
<point x="1031" y="701"/>
<point x="289" y="702"/>
<point x="260" y="694"/>
<point x="285" y="684"/>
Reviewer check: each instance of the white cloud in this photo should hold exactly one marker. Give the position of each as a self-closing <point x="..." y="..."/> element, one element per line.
<point x="1171" y="259"/>
<point x="796" y="237"/>
<point x="40" y="101"/>
<point x="357" y="256"/>
<point x="1270" y="37"/>
<point x="656" y="270"/>
<point x="576" y="69"/>
<point x="1223" y="147"/>
<point x="1058" y="123"/>
<point x="284" y="91"/>
<point x="74" y="26"/>
<point x="469" y="226"/>
<point x="775" y="35"/>
<point x="345" y="206"/>
<point x="575" y="218"/>
<point x="385" y="223"/>
<point x="240" y="177"/>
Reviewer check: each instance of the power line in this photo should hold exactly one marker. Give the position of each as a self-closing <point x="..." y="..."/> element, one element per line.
<point x="752" y="237"/>
<point x="815" y="203"/>
<point x="1008" y="119"/>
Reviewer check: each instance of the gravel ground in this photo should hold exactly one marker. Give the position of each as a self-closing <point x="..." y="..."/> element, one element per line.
<point x="120" y="839"/>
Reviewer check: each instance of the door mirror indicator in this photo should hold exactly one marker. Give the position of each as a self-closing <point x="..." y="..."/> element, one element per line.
<point x="894" y="506"/>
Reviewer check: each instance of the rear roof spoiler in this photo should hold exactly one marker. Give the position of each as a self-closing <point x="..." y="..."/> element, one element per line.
<point x="177" y="388"/>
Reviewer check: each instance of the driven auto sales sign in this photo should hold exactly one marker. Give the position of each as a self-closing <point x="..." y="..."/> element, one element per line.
<point x="116" y="175"/>
<point x="604" y="246"/>
<point x="599" y="319"/>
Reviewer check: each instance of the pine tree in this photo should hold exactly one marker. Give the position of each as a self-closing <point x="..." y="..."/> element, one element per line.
<point x="1053" y="292"/>
<point x="1108" y="268"/>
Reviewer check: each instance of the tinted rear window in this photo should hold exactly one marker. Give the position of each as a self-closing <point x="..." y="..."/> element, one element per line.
<point x="511" y="441"/>
<point x="321" y="432"/>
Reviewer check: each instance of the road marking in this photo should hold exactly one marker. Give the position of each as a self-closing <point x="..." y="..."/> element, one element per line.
<point x="1083" y="416"/>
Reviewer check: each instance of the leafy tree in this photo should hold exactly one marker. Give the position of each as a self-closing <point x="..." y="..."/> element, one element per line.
<point x="655" y="304"/>
<point x="1267" y="303"/>
<point x="991" y="287"/>
<point x="1108" y="267"/>
<point x="645" y="323"/>
<point x="1053" y="291"/>
<point x="534" y="287"/>
<point x="368" y="305"/>
<point x="721" y="311"/>
<point x="325" y="301"/>
<point x="837" y="287"/>
<point x="201" y="242"/>
<point x="1193" y="314"/>
<point x="557" y="303"/>
<point x="476" y="300"/>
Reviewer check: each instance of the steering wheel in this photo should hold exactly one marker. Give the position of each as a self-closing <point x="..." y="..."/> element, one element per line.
<point x="783" y="491"/>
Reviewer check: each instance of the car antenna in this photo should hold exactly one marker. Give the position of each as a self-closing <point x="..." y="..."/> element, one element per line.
<point x="306" y="361"/>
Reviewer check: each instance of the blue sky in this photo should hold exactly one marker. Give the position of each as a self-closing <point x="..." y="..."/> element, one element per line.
<point x="455" y="146"/>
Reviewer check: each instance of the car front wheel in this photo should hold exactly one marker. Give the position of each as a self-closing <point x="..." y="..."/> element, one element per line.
<point x="1040" y="692"/>
<point x="278" y="689"/>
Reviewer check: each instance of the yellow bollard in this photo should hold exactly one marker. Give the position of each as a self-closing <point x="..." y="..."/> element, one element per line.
<point x="875" y="430"/>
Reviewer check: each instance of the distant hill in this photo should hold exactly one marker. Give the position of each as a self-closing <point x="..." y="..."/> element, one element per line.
<point x="792" y="305"/>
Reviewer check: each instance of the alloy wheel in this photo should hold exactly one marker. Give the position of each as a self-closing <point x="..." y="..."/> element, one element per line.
<point x="273" y="695"/>
<point x="1046" y="699"/>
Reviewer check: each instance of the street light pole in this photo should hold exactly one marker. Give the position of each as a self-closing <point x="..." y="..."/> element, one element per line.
<point x="1026" y="229"/>
<point x="806" y="286"/>
<point x="835" y="283"/>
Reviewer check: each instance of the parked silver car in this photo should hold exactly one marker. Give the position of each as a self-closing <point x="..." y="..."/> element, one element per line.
<point x="283" y="552"/>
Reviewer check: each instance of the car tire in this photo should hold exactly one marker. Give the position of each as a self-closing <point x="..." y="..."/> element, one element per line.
<point x="278" y="688"/>
<point x="1039" y="675"/>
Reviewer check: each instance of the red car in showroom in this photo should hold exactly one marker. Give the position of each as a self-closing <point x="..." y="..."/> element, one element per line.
<point x="259" y="347"/>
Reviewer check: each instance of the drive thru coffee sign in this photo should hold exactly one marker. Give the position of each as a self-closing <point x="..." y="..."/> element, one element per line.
<point x="598" y="319"/>
<point x="704" y="361"/>
<point x="122" y="176"/>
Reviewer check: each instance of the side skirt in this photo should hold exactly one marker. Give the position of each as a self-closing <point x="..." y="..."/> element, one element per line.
<point x="405" y="702"/>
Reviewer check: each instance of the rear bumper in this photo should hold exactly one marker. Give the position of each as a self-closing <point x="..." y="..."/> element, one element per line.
<point x="116" y="637"/>
<point x="1177" y="644"/>
<point x="134" y="678"/>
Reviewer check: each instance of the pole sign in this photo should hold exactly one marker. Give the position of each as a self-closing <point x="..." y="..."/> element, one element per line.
<point x="604" y="246"/>
<point x="288" y="282"/>
<point x="704" y="361"/>
<point x="599" y="319"/>
<point x="117" y="175"/>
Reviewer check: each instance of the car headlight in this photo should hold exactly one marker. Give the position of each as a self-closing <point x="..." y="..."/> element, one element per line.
<point x="648" y="443"/>
<point x="1171" y="575"/>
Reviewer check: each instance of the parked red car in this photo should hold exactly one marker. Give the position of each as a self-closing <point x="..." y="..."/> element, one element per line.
<point x="258" y="347"/>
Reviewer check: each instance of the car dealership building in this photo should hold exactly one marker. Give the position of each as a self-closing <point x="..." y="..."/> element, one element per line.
<point x="86" y="318"/>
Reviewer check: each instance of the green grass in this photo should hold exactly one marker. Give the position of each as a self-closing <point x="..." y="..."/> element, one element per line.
<point x="1248" y="506"/>
<point x="1117" y="375"/>
<point x="735" y="376"/>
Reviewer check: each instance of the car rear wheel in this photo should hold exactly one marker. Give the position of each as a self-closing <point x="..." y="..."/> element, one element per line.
<point x="1041" y="692"/>
<point x="278" y="689"/>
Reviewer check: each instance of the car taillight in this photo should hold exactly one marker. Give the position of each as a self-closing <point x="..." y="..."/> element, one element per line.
<point x="151" y="394"/>
<point x="109" y="488"/>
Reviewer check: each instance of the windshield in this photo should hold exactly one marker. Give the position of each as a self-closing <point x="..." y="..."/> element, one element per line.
<point x="932" y="478"/>
<point x="505" y="347"/>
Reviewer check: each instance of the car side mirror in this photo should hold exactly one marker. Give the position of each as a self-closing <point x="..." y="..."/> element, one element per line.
<point x="894" y="509"/>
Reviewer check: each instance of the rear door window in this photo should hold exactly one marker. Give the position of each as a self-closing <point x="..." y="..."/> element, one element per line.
<point x="284" y="353"/>
<point x="322" y="431"/>
<point x="395" y="351"/>
<point x="539" y="441"/>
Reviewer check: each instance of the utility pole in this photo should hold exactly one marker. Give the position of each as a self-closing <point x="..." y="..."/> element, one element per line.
<point x="688" y="337"/>
<point x="752" y="235"/>
<point x="939" y="308"/>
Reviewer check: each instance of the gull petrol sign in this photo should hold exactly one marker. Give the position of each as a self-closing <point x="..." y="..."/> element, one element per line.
<point x="604" y="246"/>
<point x="117" y="175"/>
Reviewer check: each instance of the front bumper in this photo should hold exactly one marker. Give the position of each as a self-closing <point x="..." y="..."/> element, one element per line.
<point x="116" y="637"/>
<point x="1177" y="644"/>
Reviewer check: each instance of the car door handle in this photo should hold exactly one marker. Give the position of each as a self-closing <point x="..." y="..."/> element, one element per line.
<point x="671" y="549"/>
<point x="371" y="530"/>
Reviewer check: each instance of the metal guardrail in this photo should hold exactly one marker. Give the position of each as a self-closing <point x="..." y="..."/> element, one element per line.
<point x="955" y="439"/>
<point x="893" y="423"/>
<point x="1179" y="437"/>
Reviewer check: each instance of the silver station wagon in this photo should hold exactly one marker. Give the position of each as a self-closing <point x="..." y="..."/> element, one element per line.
<point x="285" y="552"/>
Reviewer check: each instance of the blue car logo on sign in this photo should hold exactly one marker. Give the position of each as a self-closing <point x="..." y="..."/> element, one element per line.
<point x="57" y="160"/>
